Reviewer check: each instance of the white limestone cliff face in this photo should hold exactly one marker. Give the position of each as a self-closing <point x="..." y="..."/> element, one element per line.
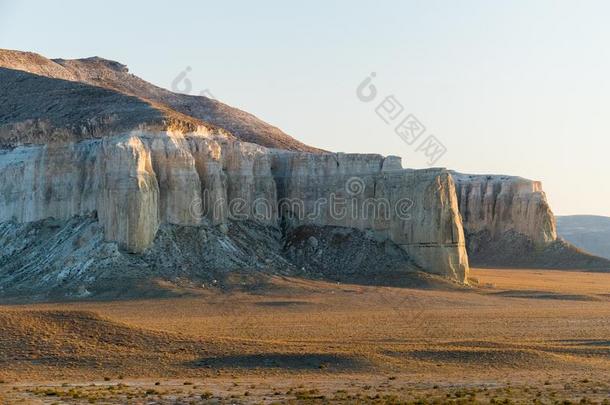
<point x="49" y="181"/>
<point x="129" y="202"/>
<point x="508" y="222"/>
<point x="416" y="209"/>
<point x="501" y="204"/>
<point x="139" y="181"/>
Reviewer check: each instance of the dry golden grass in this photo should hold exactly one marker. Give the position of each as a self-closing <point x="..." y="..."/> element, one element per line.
<point x="552" y="281"/>
<point x="522" y="327"/>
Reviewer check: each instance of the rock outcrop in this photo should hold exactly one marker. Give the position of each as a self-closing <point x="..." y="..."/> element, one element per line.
<point x="416" y="209"/>
<point x="501" y="204"/>
<point x="85" y="139"/>
<point x="139" y="181"/>
<point x="105" y="178"/>
<point x="508" y="222"/>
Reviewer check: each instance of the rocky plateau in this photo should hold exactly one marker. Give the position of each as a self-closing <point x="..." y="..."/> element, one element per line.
<point x="111" y="187"/>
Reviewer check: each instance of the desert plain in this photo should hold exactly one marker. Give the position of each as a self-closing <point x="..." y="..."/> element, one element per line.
<point x="512" y="336"/>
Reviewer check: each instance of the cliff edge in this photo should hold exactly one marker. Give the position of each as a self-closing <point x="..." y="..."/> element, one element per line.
<point x="508" y="222"/>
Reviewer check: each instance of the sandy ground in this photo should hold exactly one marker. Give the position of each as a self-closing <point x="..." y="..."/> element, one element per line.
<point x="521" y="335"/>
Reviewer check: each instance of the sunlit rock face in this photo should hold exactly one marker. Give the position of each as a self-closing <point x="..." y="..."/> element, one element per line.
<point x="501" y="204"/>
<point x="129" y="198"/>
<point x="416" y="209"/>
<point x="508" y="222"/>
<point x="136" y="182"/>
<point x="46" y="181"/>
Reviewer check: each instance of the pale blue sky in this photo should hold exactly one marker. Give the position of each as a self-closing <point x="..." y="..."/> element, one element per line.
<point x="517" y="87"/>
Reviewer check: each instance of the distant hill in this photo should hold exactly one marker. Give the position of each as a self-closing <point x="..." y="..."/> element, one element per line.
<point x="588" y="232"/>
<point x="64" y="94"/>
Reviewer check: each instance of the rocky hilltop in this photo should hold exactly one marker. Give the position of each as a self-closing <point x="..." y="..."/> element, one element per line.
<point x="109" y="184"/>
<point x="94" y="97"/>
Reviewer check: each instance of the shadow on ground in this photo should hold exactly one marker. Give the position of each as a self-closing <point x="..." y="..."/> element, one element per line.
<point x="290" y="361"/>
<point x="544" y="295"/>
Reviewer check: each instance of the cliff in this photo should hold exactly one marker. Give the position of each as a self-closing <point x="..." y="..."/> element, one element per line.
<point x="501" y="204"/>
<point x="508" y="222"/>
<point x="92" y="148"/>
<point x="109" y="185"/>
<point x="137" y="182"/>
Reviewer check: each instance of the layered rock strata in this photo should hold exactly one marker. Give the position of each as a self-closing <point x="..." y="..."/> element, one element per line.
<point x="136" y="182"/>
<point x="501" y="204"/>
<point x="508" y="222"/>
